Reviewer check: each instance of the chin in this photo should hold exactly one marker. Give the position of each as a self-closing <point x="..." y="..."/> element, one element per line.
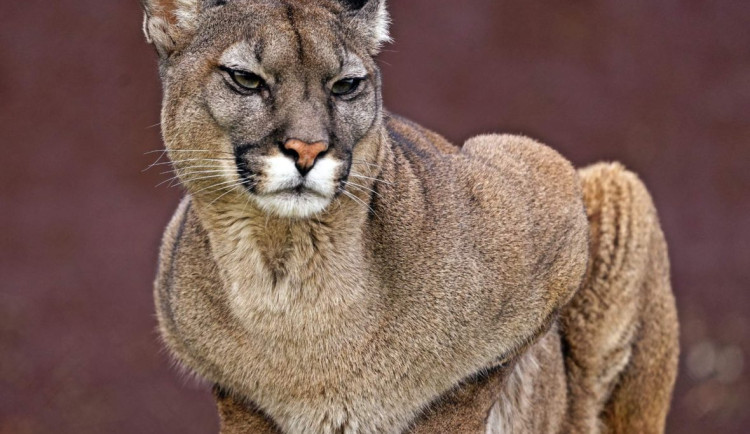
<point x="293" y="205"/>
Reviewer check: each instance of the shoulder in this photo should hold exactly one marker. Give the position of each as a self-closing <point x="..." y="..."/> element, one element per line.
<point x="183" y="256"/>
<point x="535" y="193"/>
<point x="413" y="138"/>
<point x="531" y="175"/>
<point x="541" y="167"/>
<point x="183" y="223"/>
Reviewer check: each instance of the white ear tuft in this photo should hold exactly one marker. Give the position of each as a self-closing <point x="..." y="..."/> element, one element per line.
<point x="370" y="19"/>
<point x="187" y="12"/>
<point x="382" y="24"/>
<point x="169" y="24"/>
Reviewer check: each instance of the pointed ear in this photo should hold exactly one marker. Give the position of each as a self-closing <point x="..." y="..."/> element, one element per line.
<point x="170" y="24"/>
<point x="370" y="19"/>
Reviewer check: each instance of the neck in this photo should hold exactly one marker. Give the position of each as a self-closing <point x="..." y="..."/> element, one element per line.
<point x="283" y="262"/>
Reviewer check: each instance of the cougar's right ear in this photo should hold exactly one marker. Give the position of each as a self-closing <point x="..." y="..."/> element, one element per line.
<point x="170" y="24"/>
<point x="370" y="19"/>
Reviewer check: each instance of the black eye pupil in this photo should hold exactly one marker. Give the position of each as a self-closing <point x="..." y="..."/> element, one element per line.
<point x="248" y="80"/>
<point x="345" y="86"/>
<point x="245" y="80"/>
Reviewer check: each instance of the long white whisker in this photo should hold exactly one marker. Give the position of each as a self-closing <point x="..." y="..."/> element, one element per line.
<point x="357" y="175"/>
<point x="166" y="181"/>
<point x="355" y="198"/>
<point x="207" y="166"/>
<point x="203" y="178"/>
<point x="228" y="191"/>
<point x="358" y="161"/>
<point x="221" y="184"/>
<point x="158" y="163"/>
<point x="164" y="151"/>
<point x="188" y="169"/>
<point x="247" y="203"/>
<point x="164" y="163"/>
<point x="361" y="187"/>
<point x="369" y="168"/>
<point x="187" y="175"/>
<point x="198" y="172"/>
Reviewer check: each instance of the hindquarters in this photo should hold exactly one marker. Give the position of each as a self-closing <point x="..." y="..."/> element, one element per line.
<point x="620" y="330"/>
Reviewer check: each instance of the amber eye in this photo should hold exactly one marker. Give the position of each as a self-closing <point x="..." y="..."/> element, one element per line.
<point x="345" y="86"/>
<point x="245" y="80"/>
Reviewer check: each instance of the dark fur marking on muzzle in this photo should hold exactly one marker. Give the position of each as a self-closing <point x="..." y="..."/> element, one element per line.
<point x="244" y="171"/>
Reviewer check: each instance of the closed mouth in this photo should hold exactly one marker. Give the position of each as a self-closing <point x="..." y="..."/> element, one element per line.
<point x="297" y="191"/>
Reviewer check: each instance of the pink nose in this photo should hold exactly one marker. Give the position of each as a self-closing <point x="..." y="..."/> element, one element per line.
<point x="306" y="152"/>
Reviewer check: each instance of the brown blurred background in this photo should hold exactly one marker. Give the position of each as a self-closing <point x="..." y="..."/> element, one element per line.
<point x="663" y="86"/>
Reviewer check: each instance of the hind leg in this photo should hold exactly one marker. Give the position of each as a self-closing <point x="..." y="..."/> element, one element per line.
<point x="620" y="329"/>
<point x="640" y="401"/>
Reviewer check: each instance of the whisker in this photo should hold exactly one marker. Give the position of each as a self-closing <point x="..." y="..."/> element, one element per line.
<point x="362" y="187"/>
<point x="188" y="169"/>
<point x="165" y="151"/>
<point x="247" y="203"/>
<point x="203" y="178"/>
<point x="355" y="198"/>
<point x="187" y="176"/>
<point x="359" y="161"/>
<point x="199" y="172"/>
<point x="176" y="178"/>
<point x="164" y="163"/>
<point x="158" y="162"/>
<point x="221" y="184"/>
<point x="370" y="168"/>
<point x="228" y="191"/>
<point x="357" y="175"/>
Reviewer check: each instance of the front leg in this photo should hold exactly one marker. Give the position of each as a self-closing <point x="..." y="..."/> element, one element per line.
<point x="463" y="410"/>
<point x="238" y="417"/>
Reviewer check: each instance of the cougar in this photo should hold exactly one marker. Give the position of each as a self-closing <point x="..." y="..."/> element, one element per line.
<point x="334" y="268"/>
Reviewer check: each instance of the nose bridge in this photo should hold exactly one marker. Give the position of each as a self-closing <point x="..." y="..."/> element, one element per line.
<point x="307" y="120"/>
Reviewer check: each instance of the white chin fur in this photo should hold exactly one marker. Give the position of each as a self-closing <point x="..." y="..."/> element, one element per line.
<point x="290" y="205"/>
<point x="281" y="174"/>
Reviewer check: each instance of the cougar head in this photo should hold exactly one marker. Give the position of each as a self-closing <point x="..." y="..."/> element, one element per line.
<point x="265" y="101"/>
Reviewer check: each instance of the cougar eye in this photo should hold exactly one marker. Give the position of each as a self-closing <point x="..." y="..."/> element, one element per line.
<point x="345" y="86"/>
<point x="245" y="80"/>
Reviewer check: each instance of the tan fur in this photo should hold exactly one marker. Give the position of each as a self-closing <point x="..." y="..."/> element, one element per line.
<point x="620" y="330"/>
<point x="444" y="289"/>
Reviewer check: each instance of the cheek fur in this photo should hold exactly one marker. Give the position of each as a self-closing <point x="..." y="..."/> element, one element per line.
<point x="353" y="119"/>
<point x="249" y="114"/>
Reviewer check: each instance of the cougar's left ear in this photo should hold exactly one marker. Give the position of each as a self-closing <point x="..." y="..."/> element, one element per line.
<point x="170" y="24"/>
<point x="370" y="19"/>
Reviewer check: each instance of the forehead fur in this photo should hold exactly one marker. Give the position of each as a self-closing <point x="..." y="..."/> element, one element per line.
<point x="279" y="38"/>
<point x="171" y="25"/>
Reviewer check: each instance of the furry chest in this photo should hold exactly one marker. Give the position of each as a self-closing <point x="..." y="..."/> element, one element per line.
<point x="314" y="372"/>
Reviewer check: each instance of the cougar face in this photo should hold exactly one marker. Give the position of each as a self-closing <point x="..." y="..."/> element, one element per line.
<point x="269" y="100"/>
